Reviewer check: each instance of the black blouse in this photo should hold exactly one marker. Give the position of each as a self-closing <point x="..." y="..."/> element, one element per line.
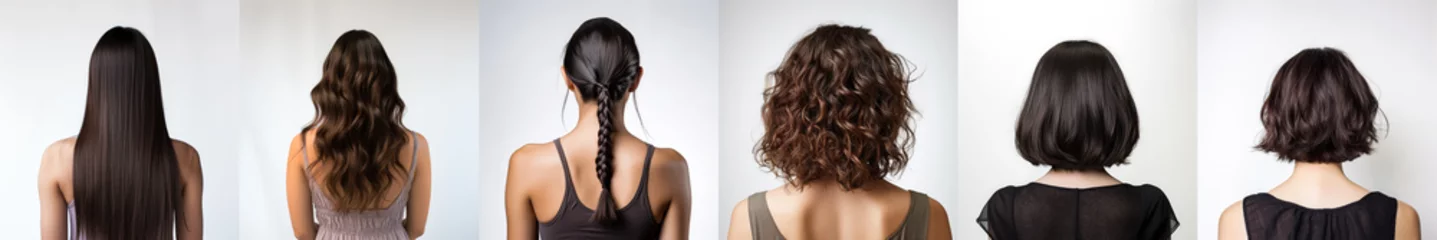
<point x="1372" y="217"/>
<point x="1040" y="211"/>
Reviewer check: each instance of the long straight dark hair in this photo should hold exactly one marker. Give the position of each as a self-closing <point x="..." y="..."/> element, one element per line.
<point x="127" y="182"/>
<point x="358" y="123"/>
<point x="602" y="61"/>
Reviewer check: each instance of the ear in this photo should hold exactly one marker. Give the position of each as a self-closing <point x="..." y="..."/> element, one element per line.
<point x="568" y="83"/>
<point x="564" y="75"/>
<point x="637" y="79"/>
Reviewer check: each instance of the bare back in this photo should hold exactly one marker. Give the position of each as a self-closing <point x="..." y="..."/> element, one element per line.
<point x="57" y="186"/>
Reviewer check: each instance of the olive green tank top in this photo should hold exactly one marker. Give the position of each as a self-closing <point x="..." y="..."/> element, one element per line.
<point x="915" y="225"/>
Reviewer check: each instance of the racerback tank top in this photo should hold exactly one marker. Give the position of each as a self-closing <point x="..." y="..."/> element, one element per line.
<point x="636" y="219"/>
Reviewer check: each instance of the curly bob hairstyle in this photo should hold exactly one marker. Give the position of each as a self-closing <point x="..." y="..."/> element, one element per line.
<point x="1079" y="114"/>
<point x="838" y="109"/>
<point x="1319" y="110"/>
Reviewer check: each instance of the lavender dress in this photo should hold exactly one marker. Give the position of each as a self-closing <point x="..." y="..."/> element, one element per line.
<point x="387" y="223"/>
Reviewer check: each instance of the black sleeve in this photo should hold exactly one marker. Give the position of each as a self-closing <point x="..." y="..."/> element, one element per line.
<point x="1161" y="222"/>
<point x="996" y="217"/>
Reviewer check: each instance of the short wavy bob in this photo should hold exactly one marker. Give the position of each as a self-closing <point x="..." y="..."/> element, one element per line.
<point x="1319" y="109"/>
<point x="838" y="110"/>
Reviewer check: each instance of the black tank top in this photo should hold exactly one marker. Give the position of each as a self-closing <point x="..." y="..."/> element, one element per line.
<point x="636" y="220"/>
<point x="1372" y="217"/>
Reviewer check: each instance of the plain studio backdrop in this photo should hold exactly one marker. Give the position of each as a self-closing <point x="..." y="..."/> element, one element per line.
<point x="44" y="71"/>
<point x="1242" y="44"/>
<point x="757" y="36"/>
<point x="433" y="45"/>
<point x="522" y="92"/>
<point x="999" y="44"/>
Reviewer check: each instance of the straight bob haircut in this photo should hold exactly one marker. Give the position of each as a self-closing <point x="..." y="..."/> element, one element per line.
<point x="1079" y="114"/>
<point x="1319" y="110"/>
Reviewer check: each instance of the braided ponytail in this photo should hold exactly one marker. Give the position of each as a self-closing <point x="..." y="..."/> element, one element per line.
<point x="602" y="62"/>
<point x="605" y="212"/>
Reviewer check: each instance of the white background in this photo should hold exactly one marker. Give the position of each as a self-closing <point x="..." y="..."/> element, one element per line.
<point x="433" y="45"/>
<point x="999" y="44"/>
<point x="44" y="66"/>
<point x="522" y="90"/>
<point x="758" y="34"/>
<point x="1242" y="44"/>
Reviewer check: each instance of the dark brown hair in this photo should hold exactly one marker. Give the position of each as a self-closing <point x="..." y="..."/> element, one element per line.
<point x="602" y="61"/>
<point x="838" y="109"/>
<point x="1079" y="114"/>
<point x="127" y="182"/>
<point x="1319" y="109"/>
<point x="358" y="123"/>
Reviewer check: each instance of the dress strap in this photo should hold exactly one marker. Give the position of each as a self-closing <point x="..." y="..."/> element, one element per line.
<point x="304" y="150"/>
<point x="760" y="220"/>
<point x="413" y="158"/>
<point x="915" y="225"/>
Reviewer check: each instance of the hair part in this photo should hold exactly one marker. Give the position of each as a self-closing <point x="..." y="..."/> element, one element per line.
<point x="123" y="141"/>
<point x="838" y="110"/>
<point x="1078" y="114"/>
<point x="358" y="123"/>
<point x="1319" y="109"/>
<point x="601" y="60"/>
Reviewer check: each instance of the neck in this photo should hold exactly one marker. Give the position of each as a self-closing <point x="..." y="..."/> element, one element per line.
<point x="1305" y="174"/>
<point x="1078" y="178"/>
<point x="589" y="120"/>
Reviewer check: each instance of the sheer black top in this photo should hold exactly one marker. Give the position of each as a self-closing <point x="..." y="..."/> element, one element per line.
<point x="1372" y="217"/>
<point x="1040" y="211"/>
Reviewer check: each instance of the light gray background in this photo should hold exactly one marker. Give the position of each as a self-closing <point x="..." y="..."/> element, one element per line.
<point x="999" y="44"/>
<point x="1241" y="45"/>
<point x="522" y="90"/>
<point x="44" y="67"/>
<point x="433" y="45"/>
<point x="757" y="35"/>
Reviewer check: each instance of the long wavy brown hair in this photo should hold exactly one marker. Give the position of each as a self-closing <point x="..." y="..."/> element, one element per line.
<point x="838" y="109"/>
<point x="358" y="123"/>
<point x="127" y="182"/>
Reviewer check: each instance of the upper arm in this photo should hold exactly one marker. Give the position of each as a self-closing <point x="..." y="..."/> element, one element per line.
<point x="192" y="176"/>
<point x="938" y="221"/>
<point x="1408" y="224"/>
<point x="738" y="225"/>
<point x="673" y="170"/>
<point x="1231" y="225"/>
<point x="519" y="213"/>
<point x="297" y="195"/>
<point x="417" y="212"/>
<point x="53" y="219"/>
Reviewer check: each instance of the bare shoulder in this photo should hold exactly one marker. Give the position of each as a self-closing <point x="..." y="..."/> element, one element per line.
<point x="738" y="221"/>
<point x="526" y="158"/>
<point x="186" y="157"/>
<point x="669" y="162"/>
<point x="1231" y="224"/>
<point x="1409" y="226"/>
<point x="938" y="221"/>
<point x="1406" y="212"/>
<point x="57" y="159"/>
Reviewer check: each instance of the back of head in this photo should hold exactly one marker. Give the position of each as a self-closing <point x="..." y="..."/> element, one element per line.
<point x="126" y="179"/>
<point x="358" y="123"/>
<point x="1319" y="109"/>
<point x="1078" y="114"/>
<point x="838" y="109"/>
<point x="602" y="61"/>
